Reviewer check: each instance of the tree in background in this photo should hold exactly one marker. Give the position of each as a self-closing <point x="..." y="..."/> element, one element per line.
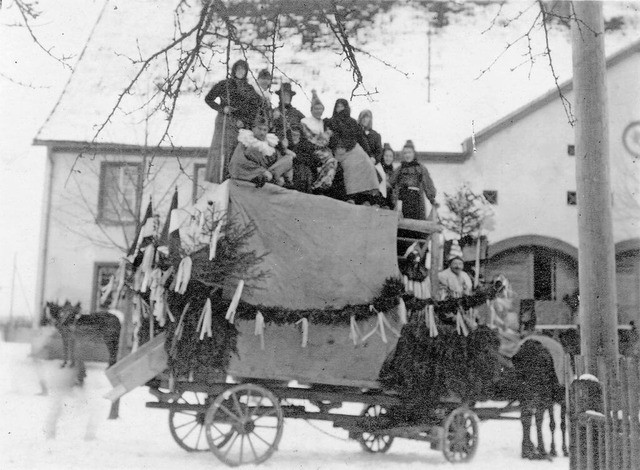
<point x="467" y="216"/>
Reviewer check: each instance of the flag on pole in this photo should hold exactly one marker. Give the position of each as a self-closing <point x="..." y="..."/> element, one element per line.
<point x="134" y="246"/>
<point x="168" y="238"/>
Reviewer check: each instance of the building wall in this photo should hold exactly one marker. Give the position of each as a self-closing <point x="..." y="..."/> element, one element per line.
<point x="75" y="242"/>
<point x="528" y="163"/>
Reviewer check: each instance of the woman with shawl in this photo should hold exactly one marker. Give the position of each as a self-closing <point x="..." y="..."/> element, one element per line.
<point x="351" y="149"/>
<point x="237" y="103"/>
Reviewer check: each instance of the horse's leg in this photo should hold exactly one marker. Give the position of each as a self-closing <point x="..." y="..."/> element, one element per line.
<point x="65" y="347"/>
<point x="112" y="346"/>
<point x="552" y="428"/>
<point x="563" y="427"/>
<point x="72" y="348"/>
<point x="528" y="451"/>
<point x="539" y="415"/>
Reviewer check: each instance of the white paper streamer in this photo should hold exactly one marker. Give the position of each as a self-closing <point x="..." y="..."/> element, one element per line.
<point x="231" y="311"/>
<point x="215" y="235"/>
<point x="402" y="312"/>
<point x="431" y="322"/>
<point x="461" y="327"/>
<point x="492" y="314"/>
<point x="380" y="326"/>
<point x="305" y="331"/>
<point x="183" y="275"/>
<point x="355" y="333"/>
<point x="259" y="328"/>
<point x="107" y="289"/>
<point x="205" y="320"/>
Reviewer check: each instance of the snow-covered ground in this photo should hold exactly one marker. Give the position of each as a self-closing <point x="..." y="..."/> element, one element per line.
<point x="140" y="438"/>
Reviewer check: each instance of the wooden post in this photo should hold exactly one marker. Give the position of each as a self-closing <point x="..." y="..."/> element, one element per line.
<point x="123" y="347"/>
<point x="595" y="233"/>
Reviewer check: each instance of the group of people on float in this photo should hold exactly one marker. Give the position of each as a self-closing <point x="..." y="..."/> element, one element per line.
<point x="334" y="156"/>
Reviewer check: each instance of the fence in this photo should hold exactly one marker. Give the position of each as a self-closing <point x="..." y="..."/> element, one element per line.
<point x="604" y="416"/>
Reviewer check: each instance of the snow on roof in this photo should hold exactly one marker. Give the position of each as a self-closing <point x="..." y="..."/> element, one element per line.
<point x="462" y="98"/>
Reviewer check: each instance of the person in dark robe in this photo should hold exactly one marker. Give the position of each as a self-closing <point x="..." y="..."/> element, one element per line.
<point x="237" y="103"/>
<point x="388" y="156"/>
<point x="411" y="184"/>
<point x="365" y="119"/>
<point x="305" y="163"/>
<point x="350" y="148"/>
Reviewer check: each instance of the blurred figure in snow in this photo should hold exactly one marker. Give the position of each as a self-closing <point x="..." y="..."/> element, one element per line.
<point x="65" y="389"/>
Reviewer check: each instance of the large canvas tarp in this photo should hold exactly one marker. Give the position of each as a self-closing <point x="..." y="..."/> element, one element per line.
<point x="320" y="252"/>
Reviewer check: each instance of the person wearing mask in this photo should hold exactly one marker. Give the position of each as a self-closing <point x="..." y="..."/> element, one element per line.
<point x="236" y="102"/>
<point x="351" y="149"/>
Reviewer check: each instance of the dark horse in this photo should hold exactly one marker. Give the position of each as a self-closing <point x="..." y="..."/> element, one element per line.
<point x="536" y="386"/>
<point x="101" y="326"/>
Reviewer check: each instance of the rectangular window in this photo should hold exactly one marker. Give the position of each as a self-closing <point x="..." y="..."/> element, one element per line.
<point x="571" y="150"/>
<point x="199" y="177"/>
<point x="572" y="198"/>
<point x="101" y="276"/>
<point x="119" y="197"/>
<point x="491" y="196"/>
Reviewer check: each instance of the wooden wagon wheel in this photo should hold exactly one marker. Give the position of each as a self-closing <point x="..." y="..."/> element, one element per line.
<point x="460" y="439"/>
<point x="187" y="426"/>
<point x="252" y="416"/>
<point x="372" y="442"/>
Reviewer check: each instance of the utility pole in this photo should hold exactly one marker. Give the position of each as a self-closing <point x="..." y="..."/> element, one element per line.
<point x="599" y="319"/>
<point x="13" y="289"/>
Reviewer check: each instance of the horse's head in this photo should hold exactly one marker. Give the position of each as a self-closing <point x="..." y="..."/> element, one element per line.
<point x="62" y="315"/>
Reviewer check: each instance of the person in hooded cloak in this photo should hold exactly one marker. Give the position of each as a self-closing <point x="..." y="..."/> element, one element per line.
<point x="237" y="104"/>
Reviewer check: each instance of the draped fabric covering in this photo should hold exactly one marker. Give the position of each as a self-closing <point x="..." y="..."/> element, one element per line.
<point x="319" y="252"/>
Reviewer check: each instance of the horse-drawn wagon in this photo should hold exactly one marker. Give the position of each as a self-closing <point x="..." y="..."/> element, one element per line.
<point x="295" y="307"/>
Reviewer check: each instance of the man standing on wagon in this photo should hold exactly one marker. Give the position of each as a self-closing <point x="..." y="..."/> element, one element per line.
<point x="286" y="115"/>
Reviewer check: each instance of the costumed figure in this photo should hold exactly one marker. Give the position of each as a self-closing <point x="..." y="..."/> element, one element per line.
<point x="365" y="119"/>
<point x="314" y="132"/>
<point x="237" y="106"/>
<point x="454" y="282"/>
<point x="304" y="163"/>
<point x="285" y="115"/>
<point x="262" y="87"/>
<point x="350" y="149"/>
<point x="388" y="155"/>
<point x="411" y="182"/>
<point x="256" y="158"/>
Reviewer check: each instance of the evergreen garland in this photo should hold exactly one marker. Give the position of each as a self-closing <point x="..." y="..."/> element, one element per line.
<point x="207" y="358"/>
<point x="425" y="370"/>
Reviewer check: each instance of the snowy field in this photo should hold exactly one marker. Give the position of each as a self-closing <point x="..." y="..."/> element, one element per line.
<point x="140" y="438"/>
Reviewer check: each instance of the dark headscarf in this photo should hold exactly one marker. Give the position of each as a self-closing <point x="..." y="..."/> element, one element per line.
<point x="237" y="64"/>
<point x="346" y="112"/>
